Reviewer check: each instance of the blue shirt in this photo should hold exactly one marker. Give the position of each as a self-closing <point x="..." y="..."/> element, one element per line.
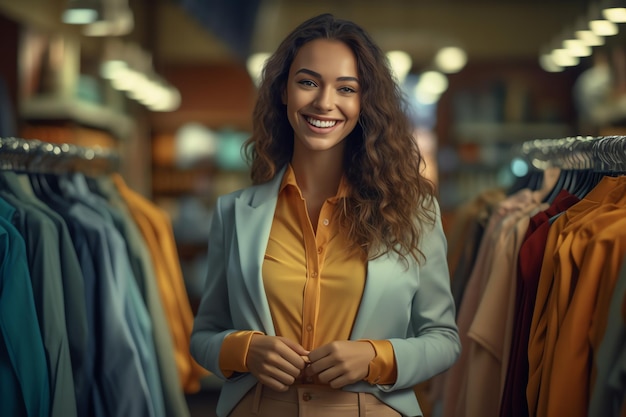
<point x="135" y="308"/>
<point x="122" y="386"/>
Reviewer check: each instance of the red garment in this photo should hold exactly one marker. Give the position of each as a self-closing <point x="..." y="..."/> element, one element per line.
<point x="514" y="402"/>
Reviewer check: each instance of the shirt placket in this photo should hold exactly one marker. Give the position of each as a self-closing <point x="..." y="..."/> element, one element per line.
<point x="314" y="246"/>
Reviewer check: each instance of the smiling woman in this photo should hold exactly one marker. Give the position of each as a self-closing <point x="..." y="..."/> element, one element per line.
<point x="328" y="288"/>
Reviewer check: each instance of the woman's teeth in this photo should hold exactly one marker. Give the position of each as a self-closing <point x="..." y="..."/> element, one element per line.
<point x="321" y="123"/>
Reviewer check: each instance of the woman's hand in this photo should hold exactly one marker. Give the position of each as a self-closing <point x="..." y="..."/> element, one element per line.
<point x="341" y="363"/>
<point x="275" y="361"/>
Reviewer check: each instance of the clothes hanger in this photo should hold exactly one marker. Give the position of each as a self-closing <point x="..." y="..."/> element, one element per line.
<point x="50" y="161"/>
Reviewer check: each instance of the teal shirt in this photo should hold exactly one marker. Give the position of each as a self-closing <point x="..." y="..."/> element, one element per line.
<point x="24" y="384"/>
<point x="17" y="190"/>
<point x="41" y="238"/>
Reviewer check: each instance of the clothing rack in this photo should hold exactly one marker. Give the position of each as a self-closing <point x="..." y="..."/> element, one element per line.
<point x="100" y="319"/>
<point x="539" y="273"/>
<point x="37" y="156"/>
<point x="598" y="153"/>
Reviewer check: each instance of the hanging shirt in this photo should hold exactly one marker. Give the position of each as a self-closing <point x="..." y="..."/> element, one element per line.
<point x="17" y="190"/>
<point x="609" y="390"/>
<point x="122" y="382"/>
<point x="530" y="256"/>
<point x="583" y="289"/>
<point x="75" y="187"/>
<point x="24" y="380"/>
<point x="453" y="385"/>
<point x="156" y="229"/>
<point x="173" y="394"/>
<point x="464" y="241"/>
<point x="41" y="238"/>
<point x="490" y="331"/>
<point x="546" y="317"/>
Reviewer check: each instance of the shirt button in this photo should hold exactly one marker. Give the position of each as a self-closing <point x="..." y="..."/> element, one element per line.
<point x="320" y="249"/>
<point x="325" y="222"/>
<point x="309" y="328"/>
<point x="306" y="396"/>
<point x="314" y="274"/>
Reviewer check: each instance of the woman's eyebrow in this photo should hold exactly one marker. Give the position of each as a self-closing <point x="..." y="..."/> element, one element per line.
<point x="318" y="75"/>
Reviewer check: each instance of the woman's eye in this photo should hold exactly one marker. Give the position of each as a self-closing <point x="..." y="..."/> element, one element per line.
<point x="308" y="83"/>
<point x="347" y="90"/>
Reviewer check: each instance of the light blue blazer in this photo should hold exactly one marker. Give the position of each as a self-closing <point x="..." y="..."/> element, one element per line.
<point x="412" y="308"/>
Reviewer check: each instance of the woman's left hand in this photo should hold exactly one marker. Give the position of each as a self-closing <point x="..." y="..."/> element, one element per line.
<point x="341" y="363"/>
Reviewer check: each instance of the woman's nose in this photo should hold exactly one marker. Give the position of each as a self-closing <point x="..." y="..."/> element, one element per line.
<point x="324" y="99"/>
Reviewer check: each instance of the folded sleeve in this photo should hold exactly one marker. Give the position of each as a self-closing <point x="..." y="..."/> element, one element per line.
<point x="382" y="369"/>
<point x="235" y="351"/>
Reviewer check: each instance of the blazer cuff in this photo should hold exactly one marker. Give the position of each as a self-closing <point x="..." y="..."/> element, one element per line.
<point x="234" y="352"/>
<point x="383" y="368"/>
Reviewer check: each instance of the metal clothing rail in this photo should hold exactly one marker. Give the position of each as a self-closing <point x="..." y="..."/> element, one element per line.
<point x="36" y="156"/>
<point x="596" y="153"/>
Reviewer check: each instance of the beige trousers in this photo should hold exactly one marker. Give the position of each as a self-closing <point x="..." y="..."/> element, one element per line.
<point x="310" y="401"/>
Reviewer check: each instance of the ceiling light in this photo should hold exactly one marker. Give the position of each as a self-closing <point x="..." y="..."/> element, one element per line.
<point x="110" y="68"/>
<point x="589" y="38"/>
<point x="582" y="32"/>
<point x="122" y="24"/>
<point x="434" y="82"/>
<point x="615" y="14"/>
<point x="401" y="63"/>
<point x="430" y="86"/>
<point x="614" y="10"/>
<point x="562" y="58"/>
<point x="81" y="12"/>
<point x="598" y="24"/>
<point x="255" y="64"/>
<point x="576" y="47"/>
<point x="547" y="63"/>
<point x="602" y="27"/>
<point x="117" y="19"/>
<point x="451" y="59"/>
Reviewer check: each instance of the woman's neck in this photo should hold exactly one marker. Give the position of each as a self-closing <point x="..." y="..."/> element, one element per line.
<point x="318" y="175"/>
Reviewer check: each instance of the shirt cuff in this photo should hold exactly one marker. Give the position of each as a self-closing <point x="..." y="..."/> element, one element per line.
<point x="235" y="351"/>
<point x="382" y="369"/>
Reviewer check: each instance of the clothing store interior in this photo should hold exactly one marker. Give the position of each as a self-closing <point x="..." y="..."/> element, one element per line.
<point x="139" y="108"/>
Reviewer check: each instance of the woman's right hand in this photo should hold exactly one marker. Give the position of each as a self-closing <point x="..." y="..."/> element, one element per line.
<point x="275" y="361"/>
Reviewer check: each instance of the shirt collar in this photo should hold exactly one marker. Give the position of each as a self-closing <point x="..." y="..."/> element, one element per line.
<point x="290" y="179"/>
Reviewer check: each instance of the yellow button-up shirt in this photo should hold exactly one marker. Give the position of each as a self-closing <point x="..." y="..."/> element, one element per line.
<point x="313" y="282"/>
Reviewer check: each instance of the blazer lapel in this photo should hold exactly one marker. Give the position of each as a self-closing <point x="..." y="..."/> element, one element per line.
<point x="254" y="212"/>
<point x="378" y="271"/>
<point x="369" y="317"/>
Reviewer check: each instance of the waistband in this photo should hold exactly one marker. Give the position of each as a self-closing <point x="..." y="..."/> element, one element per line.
<point x="322" y="393"/>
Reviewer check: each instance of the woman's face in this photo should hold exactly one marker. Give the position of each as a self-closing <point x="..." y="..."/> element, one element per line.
<point x="322" y="95"/>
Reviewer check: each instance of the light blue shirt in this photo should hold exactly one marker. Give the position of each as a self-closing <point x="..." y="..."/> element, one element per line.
<point x="135" y="309"/>
<point x="122" y="388"/>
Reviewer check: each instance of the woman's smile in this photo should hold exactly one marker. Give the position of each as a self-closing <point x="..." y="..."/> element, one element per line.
<point x="321" y="126"/>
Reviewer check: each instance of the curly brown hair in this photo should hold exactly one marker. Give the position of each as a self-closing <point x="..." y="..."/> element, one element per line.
<point x="389" y="200"/>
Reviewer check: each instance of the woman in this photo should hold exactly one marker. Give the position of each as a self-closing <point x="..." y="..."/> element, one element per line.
<point x="328" y="288"/>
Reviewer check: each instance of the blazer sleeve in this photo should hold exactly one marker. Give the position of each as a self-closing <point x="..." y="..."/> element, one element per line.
<point x="433" y="343"/>
<point x="213" y="320"/>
